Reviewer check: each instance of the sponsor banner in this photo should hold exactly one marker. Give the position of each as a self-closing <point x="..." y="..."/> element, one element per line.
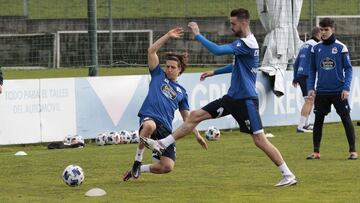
<point x="57" y="108"/>
<point x="49" y="109"/>
<point x="105" y="104"/>
<point x="19" y="116"/>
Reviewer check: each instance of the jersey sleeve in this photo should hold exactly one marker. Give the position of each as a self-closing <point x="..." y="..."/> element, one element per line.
<point x="156" y="71"/>
<point x="240" y="48"/>
<point x="348" y="71"/>
<point x="312" y="71"/>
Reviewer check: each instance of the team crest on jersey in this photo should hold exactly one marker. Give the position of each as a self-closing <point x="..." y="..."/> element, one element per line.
<point x="238" y="44"/>
<point x="178" y="89"/>
<point x="334" y="50"/>
<point x="168" y="91"/>
<point x="327" y="63"/>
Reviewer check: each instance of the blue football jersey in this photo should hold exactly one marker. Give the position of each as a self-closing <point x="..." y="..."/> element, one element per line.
<point x="302" y="62"/>
<point x="163" y="99"/>
<point x="246" y="62"/>
<point x="332" y="65"/>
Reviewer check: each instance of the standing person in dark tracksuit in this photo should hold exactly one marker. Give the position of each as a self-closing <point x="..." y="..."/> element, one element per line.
<point x="331" y="66"/>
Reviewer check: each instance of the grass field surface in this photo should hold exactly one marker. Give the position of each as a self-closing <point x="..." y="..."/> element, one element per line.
<point x="78" y="72"/>
<point x="231" y="170"/>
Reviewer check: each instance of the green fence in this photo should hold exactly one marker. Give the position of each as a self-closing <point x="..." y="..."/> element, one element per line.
<point x="52" y="33"/>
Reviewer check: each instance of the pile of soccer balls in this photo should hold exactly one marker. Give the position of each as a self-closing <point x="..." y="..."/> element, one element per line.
<point x="212" y="133"/>
<point x="121" y="137"/>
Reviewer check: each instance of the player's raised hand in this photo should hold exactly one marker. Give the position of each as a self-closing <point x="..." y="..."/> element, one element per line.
<point x="194" y="28"/>
<point x="206" y="74"/>
<point x="176" y="32"/>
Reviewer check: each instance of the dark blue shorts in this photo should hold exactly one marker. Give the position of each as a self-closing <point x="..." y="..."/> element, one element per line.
<point x="161" y="132"/>
<point x="245" y="112"/>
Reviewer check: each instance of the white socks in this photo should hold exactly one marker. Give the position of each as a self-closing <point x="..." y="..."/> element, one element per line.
<point x="145" y="168"/>
<point x="302" y="122"/>
<point x="284" y="169"/>
<point x="139" y="154"/>
<point x="167" y="141"/>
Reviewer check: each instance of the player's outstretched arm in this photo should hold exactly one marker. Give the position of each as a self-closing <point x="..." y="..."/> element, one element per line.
<point x="153" y="59"/>
<point x="185" y="114"/>
<point x="209" y="45"/>
<point x="222" y="70"/>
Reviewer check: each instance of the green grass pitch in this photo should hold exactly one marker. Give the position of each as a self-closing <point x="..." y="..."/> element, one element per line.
<point x="231" y="170"/>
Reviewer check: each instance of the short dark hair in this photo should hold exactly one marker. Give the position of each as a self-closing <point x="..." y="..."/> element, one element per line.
<point x="182" y="59"/>
<point x="240" y="13"/>
<point x="327" y="22"/>
<point x="315" y="31"/>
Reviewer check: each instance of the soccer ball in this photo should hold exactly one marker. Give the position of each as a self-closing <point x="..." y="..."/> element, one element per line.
<point x="111" y="138"/>
<point x="73" y="175"/>
<point x="67" y="140"/>
<point x="135" y="138"/>
<point x="125" y="136"/>
<point x="100" y="139"/>
<point x="73" y="139"/>
<point x="212" y="133"/>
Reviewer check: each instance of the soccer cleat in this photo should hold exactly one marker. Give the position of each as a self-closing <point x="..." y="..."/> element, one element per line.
<point x="303" y="130"/>
<point x="127" y="175"/>
<point x="314" y="155"/>
<point x="153" y="145"/>
<point x="353" y="156"/>
<point x="287" y="180"/>
<point x="308" y="127"/>
<point x="135" y="171"/>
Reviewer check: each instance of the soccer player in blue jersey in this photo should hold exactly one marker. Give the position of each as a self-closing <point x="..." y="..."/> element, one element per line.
<point x="241" y="101"/>
<point x="156" y="114"/>
<point x="331" y="66"/>
<point x="301" y="73"/>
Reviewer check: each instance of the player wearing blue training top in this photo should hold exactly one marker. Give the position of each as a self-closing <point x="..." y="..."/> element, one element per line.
<point x="331" y="66"/>
<point x="164" y="97"/>
<point x="241" y="100"/>
<point x="301" y="73"/>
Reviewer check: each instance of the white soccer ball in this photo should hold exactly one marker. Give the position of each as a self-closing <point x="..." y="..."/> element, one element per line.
<point x="73" y="175"/>
<point x="125" y="136"/>
<point x="100" y="139"/>
<point x="135" y="138"/>
<point x="67" y="140"/>
<point x="212" y="133"/>
<point x="73" y="139"/>
<point x="111" y="138"/>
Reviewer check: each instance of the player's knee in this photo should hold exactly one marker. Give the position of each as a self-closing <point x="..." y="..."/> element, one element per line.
<point x="259" y="141"/>
<point x="149" y="126"/>
<point x="167" y="168"/>
<point x="196" y="116"/>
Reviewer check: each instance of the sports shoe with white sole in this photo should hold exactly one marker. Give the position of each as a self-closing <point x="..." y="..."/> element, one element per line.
<point x="135" y="171"/>
<point x="287" y="181"/>
<point x="353" y="156"/>
<point x="309" y="127"/>
<point x="314" y="155"/>
<point x="154" y="145"/>
<point x="303" y="130"/>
